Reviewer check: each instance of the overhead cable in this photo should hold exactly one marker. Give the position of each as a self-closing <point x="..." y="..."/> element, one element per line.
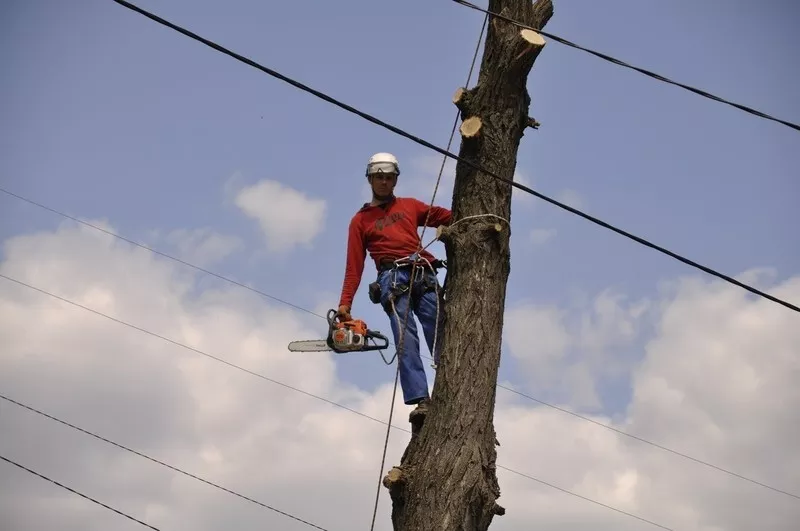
<point x="177" y="343"/>
<point x="627" y="65"/>
<point x="501" y="386"/>
<point x="183" y="345"/>
<point x="188" y="347"/>
<point x="33" y="409"/>
<point x="586" y="499"/>
<point x="651" y="443"/>
<point x="145" y="247"/>
<point x="471" y="164"/>
<point x="30" y="408"/>
<point x="76" y="492"/>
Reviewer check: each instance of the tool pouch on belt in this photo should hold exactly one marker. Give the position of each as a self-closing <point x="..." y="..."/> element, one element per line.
<point x="375" y="292"/>
<point x="429" y="282"/>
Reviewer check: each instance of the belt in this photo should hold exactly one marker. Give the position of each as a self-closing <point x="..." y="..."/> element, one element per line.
<point x="388" y="263"/>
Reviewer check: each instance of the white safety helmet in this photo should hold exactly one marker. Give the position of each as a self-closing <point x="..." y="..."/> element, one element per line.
<point x="383" y="163"/>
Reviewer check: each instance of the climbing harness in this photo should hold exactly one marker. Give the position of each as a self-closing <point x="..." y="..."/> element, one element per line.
<point x="398" y="288"/>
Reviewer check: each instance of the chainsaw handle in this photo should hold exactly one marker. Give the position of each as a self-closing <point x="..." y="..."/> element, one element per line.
<point x="333" y="317"/>
<point x="376" y="335"/>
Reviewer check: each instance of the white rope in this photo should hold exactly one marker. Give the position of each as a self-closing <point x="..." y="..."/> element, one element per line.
<point x="501" y="218"/>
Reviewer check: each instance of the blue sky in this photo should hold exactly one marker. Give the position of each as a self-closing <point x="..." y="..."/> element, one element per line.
<point x="109" y="115"/>
<point x="112" y="118"/>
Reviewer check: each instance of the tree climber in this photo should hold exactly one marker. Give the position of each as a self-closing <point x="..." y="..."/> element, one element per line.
<point x="387" y="228"/>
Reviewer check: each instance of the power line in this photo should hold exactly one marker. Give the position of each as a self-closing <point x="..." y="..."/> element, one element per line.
<point x="123" y="238"/>
<point x="651" y="443"/>
<point x="456" y="157"/>
<point x="177" y="343"/>
<point x="76" y="492"/>
<point x="587" y="499"/>
<point x="183" y="345"/>
<point x="30" y="408"/>
<point x="627" y="65"/>
<point x="542" y="402"/>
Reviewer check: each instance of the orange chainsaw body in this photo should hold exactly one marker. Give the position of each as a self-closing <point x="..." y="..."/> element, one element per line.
<point x="352" y="335"/>
<point x="349" y="335"/>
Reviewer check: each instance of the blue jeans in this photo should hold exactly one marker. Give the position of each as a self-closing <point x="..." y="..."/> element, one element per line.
<point x="424" y="305"/>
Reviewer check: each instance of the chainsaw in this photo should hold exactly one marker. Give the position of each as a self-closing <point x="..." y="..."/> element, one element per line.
<point x="343" y="336"/>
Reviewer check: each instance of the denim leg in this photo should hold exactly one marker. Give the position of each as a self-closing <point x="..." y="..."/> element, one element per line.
<point x="426" y="309"/>
<point x="412" y="373"/>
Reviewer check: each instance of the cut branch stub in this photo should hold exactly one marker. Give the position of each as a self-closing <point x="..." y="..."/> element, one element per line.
<point x="533" y="37"/>
<point x="447" y="233"/>
<point x="443" y="234"/>
<point x="459" y="95"/>
<point x="394" y="478"/>
<point x="532" y="42"/>
<point x="471" y="127"/>
<point x="461" y="99"/>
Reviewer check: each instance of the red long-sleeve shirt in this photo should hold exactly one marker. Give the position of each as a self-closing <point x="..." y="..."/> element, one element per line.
<point x="386" y="231"/>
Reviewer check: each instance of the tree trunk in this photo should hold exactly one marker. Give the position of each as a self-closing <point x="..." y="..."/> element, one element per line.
<point x="447" y="479"/>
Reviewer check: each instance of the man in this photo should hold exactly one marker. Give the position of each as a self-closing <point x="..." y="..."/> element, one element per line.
<point x="387" y="228"/>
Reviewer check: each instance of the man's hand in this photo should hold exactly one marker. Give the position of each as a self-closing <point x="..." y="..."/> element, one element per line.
<point x="344" y="313"/>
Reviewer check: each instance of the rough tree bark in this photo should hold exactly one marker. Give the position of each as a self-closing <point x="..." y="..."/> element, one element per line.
<point x="447" y="479"/>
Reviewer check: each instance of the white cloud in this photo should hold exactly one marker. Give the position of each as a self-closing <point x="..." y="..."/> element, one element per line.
<point x="537" y="335"/>
<point x="202" y="246"/>
<point x="718" y="381"/>
<point x="541" y="236"/>
<point x="569" y="353"/>
<point x="256" y="436"/>
<point x="286" y="216"/>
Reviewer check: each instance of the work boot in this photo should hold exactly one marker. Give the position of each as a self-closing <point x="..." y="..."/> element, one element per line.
<point x="417" y="415"/>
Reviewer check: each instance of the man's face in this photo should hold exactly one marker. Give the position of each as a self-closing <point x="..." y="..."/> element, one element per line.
<point x="383" y="183"/>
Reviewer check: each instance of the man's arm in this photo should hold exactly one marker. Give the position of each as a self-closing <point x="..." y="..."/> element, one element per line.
<point x="354" y="265"/>
<point x="438" y="215"/>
